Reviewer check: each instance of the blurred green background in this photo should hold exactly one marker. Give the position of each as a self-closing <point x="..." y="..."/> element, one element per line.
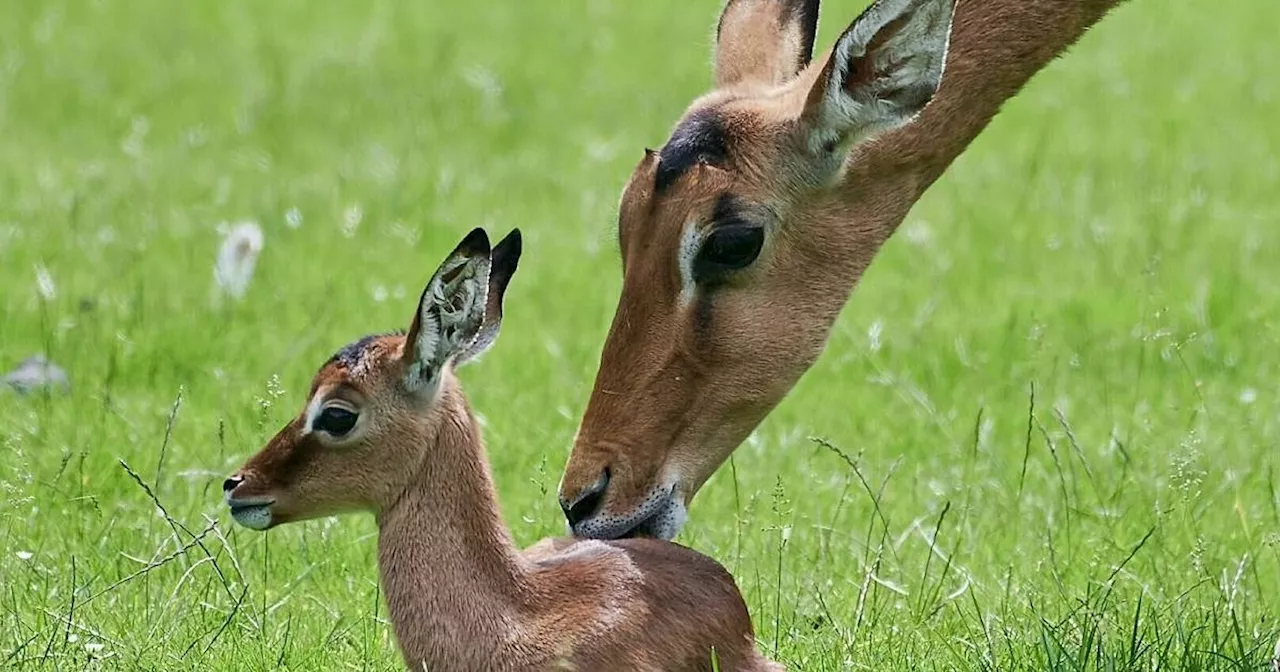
<point x="1111" y="240"/>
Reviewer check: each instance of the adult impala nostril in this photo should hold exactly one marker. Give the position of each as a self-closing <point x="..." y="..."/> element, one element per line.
<point x="588" y="501"/>
<point x="231" y="483"/>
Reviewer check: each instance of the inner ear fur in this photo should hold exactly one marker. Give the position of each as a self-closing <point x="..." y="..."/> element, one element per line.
<point x="503" y="262"/>
<point x="451" y="311"/>
<point x="883" y="70"/>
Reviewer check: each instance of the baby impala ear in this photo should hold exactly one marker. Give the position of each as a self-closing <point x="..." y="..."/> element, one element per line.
<point x="450" y="313"/>
<point x="503" y="261"/>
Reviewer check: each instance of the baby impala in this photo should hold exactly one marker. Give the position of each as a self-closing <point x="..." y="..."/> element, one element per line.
<point x="386" y="429"/>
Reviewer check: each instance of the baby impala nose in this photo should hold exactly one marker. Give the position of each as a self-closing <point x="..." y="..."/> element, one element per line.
<point x="587" y="503"/>
<point x="231" y="483"/>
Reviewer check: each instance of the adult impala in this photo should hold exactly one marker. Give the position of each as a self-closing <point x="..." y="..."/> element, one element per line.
<point x="743" y="237"/>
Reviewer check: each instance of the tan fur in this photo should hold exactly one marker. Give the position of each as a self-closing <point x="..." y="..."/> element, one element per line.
<point x="460" y="594"/>
<point x="747" y="24"/>
<point x="678" y="389"/>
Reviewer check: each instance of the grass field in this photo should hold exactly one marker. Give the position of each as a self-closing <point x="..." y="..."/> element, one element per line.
<point x="1111" y="243"/>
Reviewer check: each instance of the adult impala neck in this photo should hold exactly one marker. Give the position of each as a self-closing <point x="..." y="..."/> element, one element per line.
<point x="453" y="582"/>
<point x="996" y="47"/>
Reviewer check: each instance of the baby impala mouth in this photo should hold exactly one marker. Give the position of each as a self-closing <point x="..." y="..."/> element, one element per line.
<point x="254" y="514"/>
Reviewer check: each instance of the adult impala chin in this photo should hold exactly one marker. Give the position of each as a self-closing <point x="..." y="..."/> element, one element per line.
<point x="743" y="237"/>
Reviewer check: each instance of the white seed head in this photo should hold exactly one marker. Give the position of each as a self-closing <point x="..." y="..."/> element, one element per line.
<point x="237" y="258"/>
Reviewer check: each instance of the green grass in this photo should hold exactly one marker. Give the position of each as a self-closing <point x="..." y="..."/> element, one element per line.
<point x="1110" y="242"/>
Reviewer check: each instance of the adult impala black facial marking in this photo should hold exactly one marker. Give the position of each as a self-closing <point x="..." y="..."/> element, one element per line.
<point x="699" y="138"/>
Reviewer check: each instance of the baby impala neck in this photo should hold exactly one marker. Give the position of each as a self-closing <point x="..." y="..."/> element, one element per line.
<point x="453" y="582"/>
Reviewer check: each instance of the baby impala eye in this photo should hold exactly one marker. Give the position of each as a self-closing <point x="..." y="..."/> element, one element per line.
<point x="336" y="420"/>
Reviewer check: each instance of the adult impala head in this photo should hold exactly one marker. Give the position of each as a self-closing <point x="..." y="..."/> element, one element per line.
<point x="739" y="238"/>
<point x="744" y="235"/>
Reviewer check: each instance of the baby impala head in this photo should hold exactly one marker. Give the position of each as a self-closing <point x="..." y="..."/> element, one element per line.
<point x="371" y="409"/>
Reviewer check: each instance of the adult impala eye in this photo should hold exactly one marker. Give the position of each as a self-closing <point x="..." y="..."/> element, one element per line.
<point x="729" y="248"/>
<point x="336" y="421"/>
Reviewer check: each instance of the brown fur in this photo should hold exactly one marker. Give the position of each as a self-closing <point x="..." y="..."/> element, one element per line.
<point x="460" y="594"/>
<point x="680" y="386"/>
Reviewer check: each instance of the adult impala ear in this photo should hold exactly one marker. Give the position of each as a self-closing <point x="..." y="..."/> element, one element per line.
<point x="882" y="72"/>
<point x="450" y="313"/>
<point x="764" y="41"/>
<point x="503" y="262"/>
